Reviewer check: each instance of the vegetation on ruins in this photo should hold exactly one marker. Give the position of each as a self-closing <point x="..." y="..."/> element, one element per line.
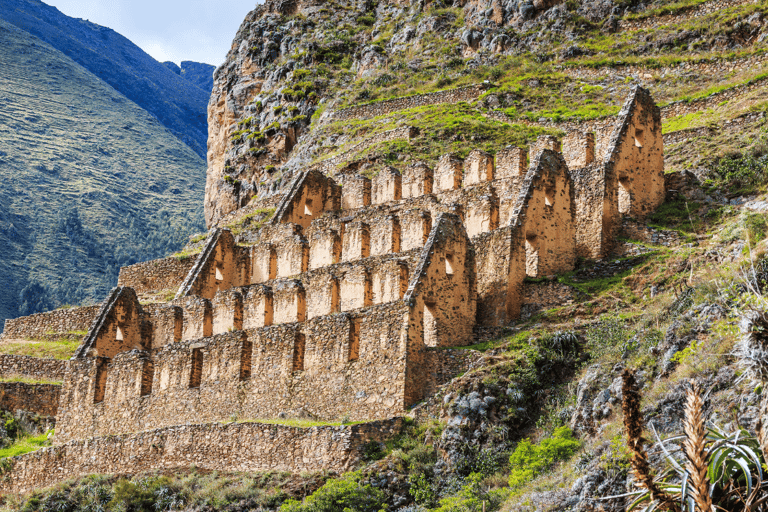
<point x="548" y="417"/>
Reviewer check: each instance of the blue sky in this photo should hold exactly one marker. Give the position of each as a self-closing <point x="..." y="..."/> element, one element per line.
<point x="175" y="30"/>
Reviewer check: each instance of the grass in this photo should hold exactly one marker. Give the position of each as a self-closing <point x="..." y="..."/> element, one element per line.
<point x="26" y="444"/>
<point x="64" y="349"/>
<point x="302" y="423"/>
<point x="30" y="380"/>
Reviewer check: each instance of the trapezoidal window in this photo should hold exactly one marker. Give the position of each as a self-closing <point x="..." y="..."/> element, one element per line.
<point x="119" y="336"/>
<point x="449" y="264"/>
<point x="308" y="207"/>
<point x="625" y="196"/>
<point x="430" y="324"/>
<point x="101" y="380"/>
<point x="196" y="372"/>
<point x="147" y="374"/>
<point x="335" y="296"/>
<point x="532" y="256"/>
<point x="245" y="359"/>
<point x="638" y="137"/>
<point x="272" y="265"/>
<point x="353" y="354"/>
<point x="299" y="346"/>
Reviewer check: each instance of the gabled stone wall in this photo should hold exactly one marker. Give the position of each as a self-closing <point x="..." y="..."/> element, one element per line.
<point x="339" y="306"/>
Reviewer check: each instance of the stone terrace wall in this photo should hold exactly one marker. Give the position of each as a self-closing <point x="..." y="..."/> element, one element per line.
<point x="32" y="367"/>
<point x="329" y="165"/>
<point x="42" y="325"/>
<point x="236" y="447"/>
<point x="381" y="108"/>
<point x="710" y="66"/>
<point x="546" y="295"/>
<point x="680" y="17"/>
<point x="633" y="230"/>
<point x="155" y="275"/>
<point x="42" y="399"/>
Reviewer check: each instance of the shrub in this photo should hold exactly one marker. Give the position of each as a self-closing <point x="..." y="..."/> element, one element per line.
<point x="529" y="460"/>
<point x="344" y="494"/>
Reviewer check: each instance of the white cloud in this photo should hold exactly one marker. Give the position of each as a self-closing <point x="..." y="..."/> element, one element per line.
<point x="176" y="30"/>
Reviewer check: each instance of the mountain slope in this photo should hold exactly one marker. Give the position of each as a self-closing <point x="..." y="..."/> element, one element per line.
<point x="91" y="181"/>
<point x="198" y="73"/>
<point x="178" y="104"/>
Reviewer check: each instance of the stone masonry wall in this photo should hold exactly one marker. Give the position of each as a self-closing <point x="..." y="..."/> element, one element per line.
<point x="50" y="324"/>
<point x="680" y="17"/>
<point x="155" y="275"/>
<point x="305" y="369"/>
<point x="235" y="447"/>
<point x="42" y="399"/>
<point x="32" y="367"/>
<point x="634" y="230"/>
<point x="381" y="108"/>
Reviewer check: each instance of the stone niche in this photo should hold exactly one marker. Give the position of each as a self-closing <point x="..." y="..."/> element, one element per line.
<point x="579" y="149"/>
<point x="227" y="311"/>
<point x="356" y="289"/>
<point x="324" y="247"/>
<point x="417" y="180"/>
<point x="385" y="235"/>
<point x="482" y="214"/>
<point x="356" y="243"/>
<point x="448" y="173"/>
<point x="289" y="299"/>
<point x="292" y="256"/>
<point x="387" y="186"/>
<point x="322" y="295"/>
<point x="389" y="281"/>
<point x="258" y="307"/>
<point x="478" y="167"/>
<point x="415" y="226"/>
<point x="356" y="192"/>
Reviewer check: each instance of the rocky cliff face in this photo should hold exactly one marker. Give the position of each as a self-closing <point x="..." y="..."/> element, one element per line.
<point x="291" y="60"/>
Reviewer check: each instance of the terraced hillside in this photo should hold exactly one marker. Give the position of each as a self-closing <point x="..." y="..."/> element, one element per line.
<point x="91" y="181"/>
<point x="292" y="73"/>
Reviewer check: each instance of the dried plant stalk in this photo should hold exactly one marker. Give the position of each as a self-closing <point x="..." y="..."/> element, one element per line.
<point x="633" y="422"/>
<point x="695" y="448"/>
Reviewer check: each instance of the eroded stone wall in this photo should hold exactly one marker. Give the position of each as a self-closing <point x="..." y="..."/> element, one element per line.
<point x="249" y="374"/>
<point x="165" y="274"/>
<point x="42" y="399"/>
<point x="469" y="93"/>
<point x="234" y="447"/>
<point x="50" y="325"/>
<point x="32" y="367"/>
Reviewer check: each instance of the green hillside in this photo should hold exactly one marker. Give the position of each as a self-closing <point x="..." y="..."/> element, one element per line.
<point x="90" y="180"/>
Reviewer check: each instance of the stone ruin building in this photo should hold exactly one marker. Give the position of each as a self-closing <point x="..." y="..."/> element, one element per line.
<point x="346" y="304"/>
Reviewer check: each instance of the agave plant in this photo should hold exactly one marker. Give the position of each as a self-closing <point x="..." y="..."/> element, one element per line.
<point x="707" y="468"/>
